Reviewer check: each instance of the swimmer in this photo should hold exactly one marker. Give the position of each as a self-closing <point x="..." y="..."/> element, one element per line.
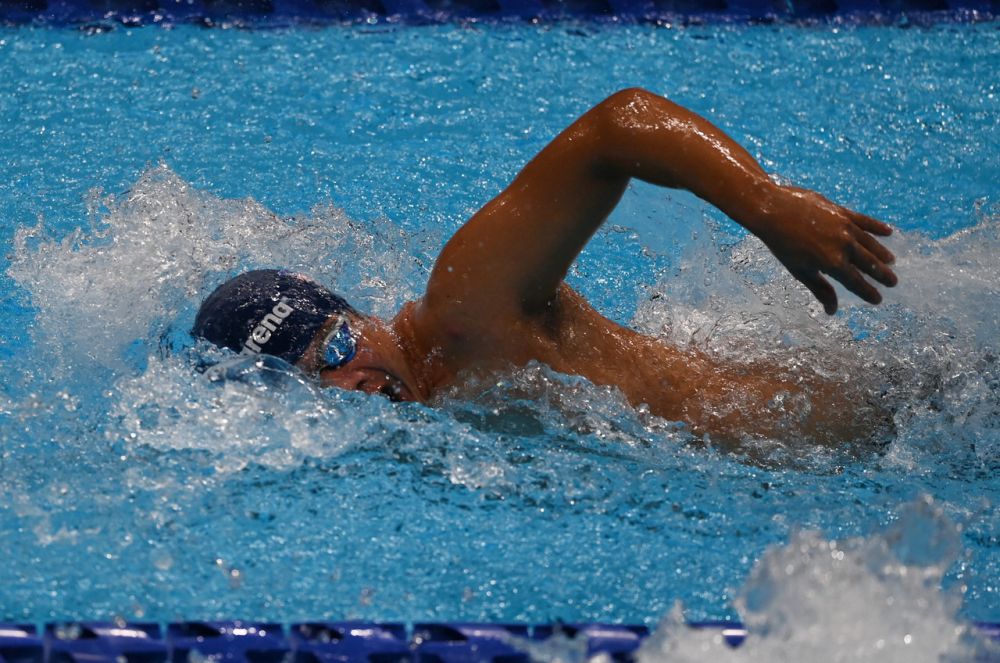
<point x="496" y="298"/>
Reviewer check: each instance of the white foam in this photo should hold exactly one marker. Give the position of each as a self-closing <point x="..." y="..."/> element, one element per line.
<point x="930" y="348"/>
<point x="862" y="599"/>
<point x="268" y="418"/>
<point x="151" y="254"/>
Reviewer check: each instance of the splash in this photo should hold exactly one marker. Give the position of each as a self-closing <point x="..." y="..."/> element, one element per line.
<point x="133" y="275"/>
<point x="114" y="302"/>
<point x="862" y="599"/>
<point x="929" y="353"/>
<point x="262" y="414"/>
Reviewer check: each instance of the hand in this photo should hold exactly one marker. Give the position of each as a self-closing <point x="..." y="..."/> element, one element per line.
<point x="812" y="236"/>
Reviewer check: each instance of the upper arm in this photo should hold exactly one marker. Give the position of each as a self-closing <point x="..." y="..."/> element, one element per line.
<point x="514" y="252"/>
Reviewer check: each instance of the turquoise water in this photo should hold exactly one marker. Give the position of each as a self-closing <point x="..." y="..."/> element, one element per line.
<point x="145" y="165"/>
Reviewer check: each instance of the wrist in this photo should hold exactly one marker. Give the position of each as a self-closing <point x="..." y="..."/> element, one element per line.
<point x="762" y="206"/>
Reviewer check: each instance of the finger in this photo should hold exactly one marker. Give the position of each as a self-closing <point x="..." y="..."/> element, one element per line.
<point x="853" y="281"/>
<point x="873" y="267"/>
<point x="869" y="224"/>
<point x="822" y="290"/>
<point x="873" y="245"/>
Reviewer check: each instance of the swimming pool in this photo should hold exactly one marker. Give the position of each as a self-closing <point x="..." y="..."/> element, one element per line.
<point x="132" y="488"/>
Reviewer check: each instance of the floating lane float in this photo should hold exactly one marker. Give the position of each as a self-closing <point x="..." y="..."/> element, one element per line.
<point x="106" y="14"/>
<point x="326" y="642"/>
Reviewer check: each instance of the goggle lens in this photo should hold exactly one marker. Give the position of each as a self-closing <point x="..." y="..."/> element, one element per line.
<point x="339" y="346"/>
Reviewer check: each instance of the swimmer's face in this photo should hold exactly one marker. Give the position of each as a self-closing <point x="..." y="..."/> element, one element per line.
<point x="378" y="366"/>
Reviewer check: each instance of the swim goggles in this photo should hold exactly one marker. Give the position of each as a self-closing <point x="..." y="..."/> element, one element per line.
<point x="339" y="346"/>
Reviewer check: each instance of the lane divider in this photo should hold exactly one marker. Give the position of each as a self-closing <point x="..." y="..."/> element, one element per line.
<point x="324" y="642"/>
<point x="107" y="14"/>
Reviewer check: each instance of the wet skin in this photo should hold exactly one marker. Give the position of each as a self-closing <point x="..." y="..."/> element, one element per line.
<point x="496" y="297"/>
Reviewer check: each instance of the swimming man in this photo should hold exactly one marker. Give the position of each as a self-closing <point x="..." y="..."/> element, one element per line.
<point x="496" y="298"/>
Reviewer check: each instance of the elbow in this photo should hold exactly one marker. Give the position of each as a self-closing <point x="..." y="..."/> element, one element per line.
<point x="625" y="119"/>
<point x="631" y="101"/>
<point x="630" y="111"/>
<point x="631" y="95"/>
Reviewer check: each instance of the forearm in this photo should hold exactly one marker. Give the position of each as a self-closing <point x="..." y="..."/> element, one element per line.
<point x="653" y="139"/>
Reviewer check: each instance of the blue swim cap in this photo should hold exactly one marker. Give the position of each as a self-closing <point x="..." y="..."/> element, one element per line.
<point x="267" y="311"/>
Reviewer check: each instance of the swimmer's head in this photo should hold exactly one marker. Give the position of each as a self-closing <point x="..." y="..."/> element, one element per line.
<point x="270" y="312"/>
<point x="292" y="317"/>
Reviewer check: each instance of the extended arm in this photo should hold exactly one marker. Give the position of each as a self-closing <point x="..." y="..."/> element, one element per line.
<point x="516" y="250"/>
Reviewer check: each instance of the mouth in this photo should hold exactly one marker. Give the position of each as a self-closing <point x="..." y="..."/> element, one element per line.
<point x="372" y="381"/>
<point x="388" y="385"/>
<point x="396" y="391"/>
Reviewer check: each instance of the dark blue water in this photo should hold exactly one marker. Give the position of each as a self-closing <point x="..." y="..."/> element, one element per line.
<point x="144" y="165"/>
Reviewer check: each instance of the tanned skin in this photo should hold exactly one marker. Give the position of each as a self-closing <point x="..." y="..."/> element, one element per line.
<point x="496" y="297"/>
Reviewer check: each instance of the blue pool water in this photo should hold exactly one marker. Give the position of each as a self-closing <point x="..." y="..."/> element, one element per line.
<point x="145" y="165"/>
